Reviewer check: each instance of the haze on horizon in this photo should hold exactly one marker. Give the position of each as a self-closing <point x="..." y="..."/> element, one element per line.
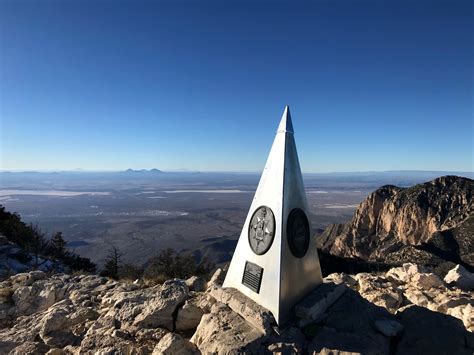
<point x="99" y="85"/>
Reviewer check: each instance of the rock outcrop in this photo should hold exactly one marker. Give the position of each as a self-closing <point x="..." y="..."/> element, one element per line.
<point x="406" y="310"/>
<point x="428" y="223"/>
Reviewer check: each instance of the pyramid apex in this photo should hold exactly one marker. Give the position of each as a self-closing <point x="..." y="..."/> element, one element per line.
<point x="285" y="124"/>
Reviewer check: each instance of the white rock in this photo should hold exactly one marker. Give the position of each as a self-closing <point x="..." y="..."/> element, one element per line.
<point x="217" y="278"/>
<point x="252" y="312"/>
<point x="225" y="332"/>
<point x="464" y="313"/>
<point x="158" y="311"/>
<point x="172" y="344"/>
<point x="380" y="291"/>
<point x="192" y="311"/>
<point x="461" y="278"/>
<point x="426" y="281"/>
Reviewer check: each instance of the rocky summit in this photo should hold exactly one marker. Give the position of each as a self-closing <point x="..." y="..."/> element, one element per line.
<point x="429" y="224"/>
<point x="406" y="310"/>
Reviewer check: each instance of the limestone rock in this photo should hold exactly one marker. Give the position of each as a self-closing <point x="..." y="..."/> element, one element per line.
<point x="172" y="344"/>
<point x="460" y="278"/>
<point x="225" y="332"/>
<point x="437" y="213"/>
<point x="29" y="347"/>
<point x="465" y="313"/>
<point x="217" y="278"/>
<point x="405" y="273"/>
<point x="379" y="291"/>
<point x="192" y="311"/>
<point x="253" y="313"/>
<point x="159" y="310"/>
<point x="196" y="283"/>
<point x="315" y="304"/>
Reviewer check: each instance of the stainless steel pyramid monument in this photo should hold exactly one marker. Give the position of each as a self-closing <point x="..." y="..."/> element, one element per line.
<point x="275" y="262"/>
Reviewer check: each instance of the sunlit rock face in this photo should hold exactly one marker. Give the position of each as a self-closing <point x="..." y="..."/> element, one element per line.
<point x="433" y="221"/>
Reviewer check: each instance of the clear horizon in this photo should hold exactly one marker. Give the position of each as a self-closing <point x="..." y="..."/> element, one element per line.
<point x="372" y="86"/>
<point x="79" y="170"/>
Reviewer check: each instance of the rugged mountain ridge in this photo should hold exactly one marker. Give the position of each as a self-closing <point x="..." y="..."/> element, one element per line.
<point x="428" y="223"/>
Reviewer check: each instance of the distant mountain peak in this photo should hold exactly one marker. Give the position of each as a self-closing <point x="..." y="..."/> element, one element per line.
<point x="154" y="170"/>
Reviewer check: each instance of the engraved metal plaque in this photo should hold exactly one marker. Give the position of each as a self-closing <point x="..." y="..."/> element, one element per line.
<point x="261" y="230"/>
<point x="252" y="276"/>
<point x="297" y="230"/>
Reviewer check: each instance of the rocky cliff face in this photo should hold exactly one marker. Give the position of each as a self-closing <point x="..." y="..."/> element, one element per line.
<point x="406" y="310"/>
<point x="433" y="221"/>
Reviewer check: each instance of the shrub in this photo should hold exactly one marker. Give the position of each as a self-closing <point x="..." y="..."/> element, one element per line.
<point x="169" y="264"/>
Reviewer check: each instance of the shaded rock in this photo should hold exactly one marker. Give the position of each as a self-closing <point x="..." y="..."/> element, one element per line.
<point x="196" y="283"/>
<point x="285" y="348"/>
<point x="465" y="313"/>
<point x="225" y="332"/>
<point x="428" y="332"/>
<point x="252" y="312"/>
<point x="316" y="303"/>
<point x="329" y="341"/>
<point x="172" y="344"/>
<point x="460" y="278"/>
<point x="388" y="327"/>
<point x="354" y="316"/>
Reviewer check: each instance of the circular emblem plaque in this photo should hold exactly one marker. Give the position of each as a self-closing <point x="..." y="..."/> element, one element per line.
<point x="261" y="230"/>
<point x="297" y="231"/>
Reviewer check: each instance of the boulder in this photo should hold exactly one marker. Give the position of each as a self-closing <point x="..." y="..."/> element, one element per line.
<point x="27" y="278"/>
<point x="172" y="344"/>
<point x="32" y="293"/>
<point x="354" y="317"/>
<point x="313" y="306"/>
<point x="426" y="280"/>
<point x="465" y="313"/>
<point x="30" y="347"/>
<point x="192" y="311"/>
<point x="252" y="312"/>
<point x="428" y="332"/>
<point x="461" y="278"/>
<point x="196" y="283"/>
<point x="159" y="310"/>
<point x="225" y="332"/>
<point x="380" y="291"/>
<point x="217" y="278"/>
<point x="330" y="342"/>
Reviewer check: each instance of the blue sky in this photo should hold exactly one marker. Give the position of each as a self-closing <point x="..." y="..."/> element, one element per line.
<point x="106" y="85"/>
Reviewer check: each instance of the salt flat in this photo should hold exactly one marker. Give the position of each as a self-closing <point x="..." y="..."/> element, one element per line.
<point x="50" y="193"/>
